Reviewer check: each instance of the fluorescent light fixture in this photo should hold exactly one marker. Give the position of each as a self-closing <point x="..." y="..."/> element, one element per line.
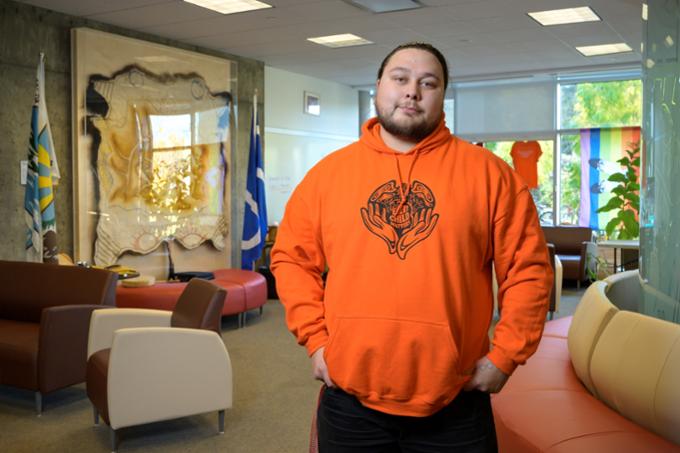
<point x="343" y="40"/>
<point x="230" y="6"/>
<point x="565" y="16"/>
<point x="385" y="6"/>
<point x="604" y="49"/>
<point x="644" y="11"/>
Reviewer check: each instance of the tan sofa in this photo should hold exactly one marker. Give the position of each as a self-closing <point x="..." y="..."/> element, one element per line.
<point x="44" y="321"/>
<point x="602" y="381"/>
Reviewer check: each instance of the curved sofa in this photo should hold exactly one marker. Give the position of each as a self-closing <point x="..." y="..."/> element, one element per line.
<point x="246" y="290"/>
<point x="604" y="380"/>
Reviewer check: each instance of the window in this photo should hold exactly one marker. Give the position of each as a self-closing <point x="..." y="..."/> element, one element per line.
<point x="570" y="178"/>
<point x="543" y="195"/>
<point x="585" y="105"/>
<point x="600" y="104"/>
<point x="448" y="112"/>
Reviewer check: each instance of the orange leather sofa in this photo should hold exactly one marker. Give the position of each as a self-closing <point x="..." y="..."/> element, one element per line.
<point x="44" y="322"/>
<point x="604" y="380"/>
<point x="246" y="290"/>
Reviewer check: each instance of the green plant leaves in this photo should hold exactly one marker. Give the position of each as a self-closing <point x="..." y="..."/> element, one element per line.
<point x="618" y="177"/>
<point x="613" y="203"/>
<point x="626" y="200"/>
<point x="633" y="198"/>
<point x="631" y="227"/>
<point x="611" y="225"/>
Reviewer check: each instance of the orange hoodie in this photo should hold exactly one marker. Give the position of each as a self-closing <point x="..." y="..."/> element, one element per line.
<point x="409" y="239"/>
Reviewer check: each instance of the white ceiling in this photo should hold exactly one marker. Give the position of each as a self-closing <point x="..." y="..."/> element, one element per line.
<point x="481" y="38"/>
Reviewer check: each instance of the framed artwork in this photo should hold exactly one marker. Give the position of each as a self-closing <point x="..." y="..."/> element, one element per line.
<point x="152" y="153"/>
<point x="311" y="104"/>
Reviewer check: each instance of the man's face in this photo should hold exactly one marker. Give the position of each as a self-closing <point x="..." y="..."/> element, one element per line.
<point x="409" y="97"/>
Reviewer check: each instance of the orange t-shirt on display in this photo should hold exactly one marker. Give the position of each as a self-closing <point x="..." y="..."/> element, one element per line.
<point x="525" y="157"/>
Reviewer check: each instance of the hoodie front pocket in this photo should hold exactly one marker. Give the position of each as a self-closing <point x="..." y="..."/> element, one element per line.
<point x="396" y="360"/>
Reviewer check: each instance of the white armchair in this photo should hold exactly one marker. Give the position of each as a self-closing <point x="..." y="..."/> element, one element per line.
<point x="142" y="368"/>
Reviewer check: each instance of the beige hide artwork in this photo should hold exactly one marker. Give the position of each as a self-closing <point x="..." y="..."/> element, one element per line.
<point x="153" y="155"/>
<point x="161" y="170"/>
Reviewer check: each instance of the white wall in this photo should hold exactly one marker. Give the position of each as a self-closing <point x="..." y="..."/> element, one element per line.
<point x="295" y="141"/>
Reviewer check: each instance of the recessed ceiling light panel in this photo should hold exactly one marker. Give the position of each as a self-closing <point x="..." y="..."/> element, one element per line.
<point x="565" y="16"/>
<point x="604" y="49"/>
<point x="385" y="6"/>
<point x="343" y="40"/>
<point x="230" y="6"/>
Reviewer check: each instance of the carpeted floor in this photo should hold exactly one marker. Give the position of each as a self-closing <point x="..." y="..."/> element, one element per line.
<point x="274" y="397"/>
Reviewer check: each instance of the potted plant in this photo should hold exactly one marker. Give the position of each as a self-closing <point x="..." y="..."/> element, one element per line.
<point x="626" y="199"/>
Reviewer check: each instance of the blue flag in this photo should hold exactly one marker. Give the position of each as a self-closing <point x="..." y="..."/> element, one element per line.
<point x="255" y="216"/>
<point x="42" y="175"/>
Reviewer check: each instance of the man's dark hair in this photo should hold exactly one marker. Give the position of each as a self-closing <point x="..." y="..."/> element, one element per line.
<point x="421" y="46"/>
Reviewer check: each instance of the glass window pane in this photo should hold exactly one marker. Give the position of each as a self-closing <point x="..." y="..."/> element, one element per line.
<point x="448" y="112"/>
<point x="570" y="178"/>
<point x="600" y="104"/>
<point x="543" y="194"/>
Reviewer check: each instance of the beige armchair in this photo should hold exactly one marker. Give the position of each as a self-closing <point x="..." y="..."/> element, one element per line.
<point x="151" y="365"/>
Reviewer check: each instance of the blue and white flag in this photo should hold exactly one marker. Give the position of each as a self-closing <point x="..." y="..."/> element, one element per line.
<point x="255" y="216"/>
<point x="42" y="175"/>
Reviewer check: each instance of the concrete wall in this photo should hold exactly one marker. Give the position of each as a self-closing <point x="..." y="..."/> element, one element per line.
<point x="295" y="141"/>
<point x="25" y="31"/>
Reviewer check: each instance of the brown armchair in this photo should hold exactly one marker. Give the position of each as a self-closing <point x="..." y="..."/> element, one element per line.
<point x="44" y="322"/>
<point x="574" y="248"/>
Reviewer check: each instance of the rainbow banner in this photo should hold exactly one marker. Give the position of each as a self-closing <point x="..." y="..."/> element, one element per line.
<point x="600" y="150"/>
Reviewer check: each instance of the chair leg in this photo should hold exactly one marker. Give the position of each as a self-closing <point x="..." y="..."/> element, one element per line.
<point x="551" y="315"/>
<point x="261" y="310"/>
<point x="38" y="403"/>
<point x="96" y="415"/>
<point x="113" y="435"/>
<point x="240" y="320"/>
<point x="220" y="422"/>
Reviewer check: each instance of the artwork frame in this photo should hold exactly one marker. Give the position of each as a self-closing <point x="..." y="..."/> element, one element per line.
<point x="311" y="103"/>
<point x="177" y="83"/>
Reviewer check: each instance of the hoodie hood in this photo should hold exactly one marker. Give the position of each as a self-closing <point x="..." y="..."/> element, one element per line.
<point x="370" y="137"/>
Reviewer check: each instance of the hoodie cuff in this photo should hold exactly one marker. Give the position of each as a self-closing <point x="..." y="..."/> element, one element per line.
<point x="502" y="362"/>
<point x="317" y="341"/>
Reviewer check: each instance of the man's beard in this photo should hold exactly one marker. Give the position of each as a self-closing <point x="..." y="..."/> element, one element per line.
<point x="413" y="131"/>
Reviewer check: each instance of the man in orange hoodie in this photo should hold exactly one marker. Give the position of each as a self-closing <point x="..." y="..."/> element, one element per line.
<point x="408" y="221"/>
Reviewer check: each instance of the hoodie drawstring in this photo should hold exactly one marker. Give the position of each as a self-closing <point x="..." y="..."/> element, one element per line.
<point x="405" y="192"/>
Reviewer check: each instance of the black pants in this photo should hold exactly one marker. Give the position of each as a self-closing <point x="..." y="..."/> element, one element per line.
<point x="465" y="425"/>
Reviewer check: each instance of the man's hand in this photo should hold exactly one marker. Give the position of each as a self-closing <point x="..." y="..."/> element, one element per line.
<point x="319" y="369"/>
<point x="486" y="377"/>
